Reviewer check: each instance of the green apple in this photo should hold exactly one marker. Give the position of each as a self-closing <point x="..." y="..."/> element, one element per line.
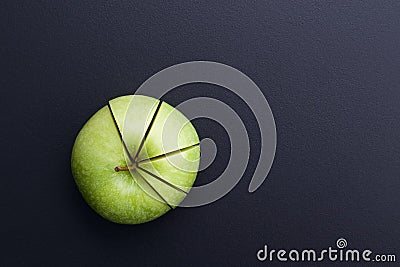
<point x="135" y="159"/>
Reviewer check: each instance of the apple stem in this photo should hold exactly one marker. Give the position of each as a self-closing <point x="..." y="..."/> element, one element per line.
<point x="118" y="169"/>
<point x="125" y="168"/>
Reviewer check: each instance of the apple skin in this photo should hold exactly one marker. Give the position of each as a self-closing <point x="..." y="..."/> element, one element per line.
<point x="122" y="197"/>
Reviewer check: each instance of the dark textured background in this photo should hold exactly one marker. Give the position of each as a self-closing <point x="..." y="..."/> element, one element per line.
<point x="329" y="69"/>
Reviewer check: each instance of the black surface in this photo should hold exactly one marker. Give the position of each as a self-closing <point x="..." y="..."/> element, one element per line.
<point x="331" y="73"/>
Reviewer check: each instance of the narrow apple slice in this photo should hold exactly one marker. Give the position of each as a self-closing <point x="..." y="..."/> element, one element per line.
<point x="133" y="117"/>
<point x="171" y="131"/>
<point x="173" y="175"/>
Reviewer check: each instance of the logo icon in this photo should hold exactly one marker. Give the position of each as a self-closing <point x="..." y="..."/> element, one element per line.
<point x="205" y="107"/>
